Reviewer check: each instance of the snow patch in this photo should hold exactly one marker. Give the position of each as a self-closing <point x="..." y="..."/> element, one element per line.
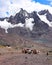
<point x="44" y="19"/>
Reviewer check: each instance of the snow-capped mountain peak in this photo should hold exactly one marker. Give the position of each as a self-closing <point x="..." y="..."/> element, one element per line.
<point x="34" y="20"/>
<point x="45" y="16"/>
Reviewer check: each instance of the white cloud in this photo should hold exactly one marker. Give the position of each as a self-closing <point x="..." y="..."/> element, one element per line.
<point x="5" y="25"/>
<point x="29" y="24"/>
<point x="12" y="6"/>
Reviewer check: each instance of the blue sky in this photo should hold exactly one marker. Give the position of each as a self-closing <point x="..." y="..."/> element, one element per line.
<point x="43" y="1"/>
<point x="11" y="7"/>
<point x="47" y="2"/>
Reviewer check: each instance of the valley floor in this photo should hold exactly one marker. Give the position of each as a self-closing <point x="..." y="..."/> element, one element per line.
<point x="11" y="56"/>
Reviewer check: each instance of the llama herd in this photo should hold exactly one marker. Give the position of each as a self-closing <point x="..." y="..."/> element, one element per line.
<point x="30" y="51"/>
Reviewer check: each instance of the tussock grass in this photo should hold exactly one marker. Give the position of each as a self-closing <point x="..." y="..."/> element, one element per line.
<point x="2" y="46"/>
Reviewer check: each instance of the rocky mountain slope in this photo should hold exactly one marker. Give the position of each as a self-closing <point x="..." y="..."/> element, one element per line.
<point x="24" y="25"/>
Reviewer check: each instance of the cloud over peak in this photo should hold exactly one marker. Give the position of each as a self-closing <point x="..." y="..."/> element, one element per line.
<point x="11" y="7"/>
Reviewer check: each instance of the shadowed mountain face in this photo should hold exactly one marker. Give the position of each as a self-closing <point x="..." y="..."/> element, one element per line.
<point x="39" y="26"/>
<point x="19" y="17"/>
<point x="41" y="29"/>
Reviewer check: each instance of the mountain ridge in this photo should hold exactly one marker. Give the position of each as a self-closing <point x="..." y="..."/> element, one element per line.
<point x="27" y="25"/>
